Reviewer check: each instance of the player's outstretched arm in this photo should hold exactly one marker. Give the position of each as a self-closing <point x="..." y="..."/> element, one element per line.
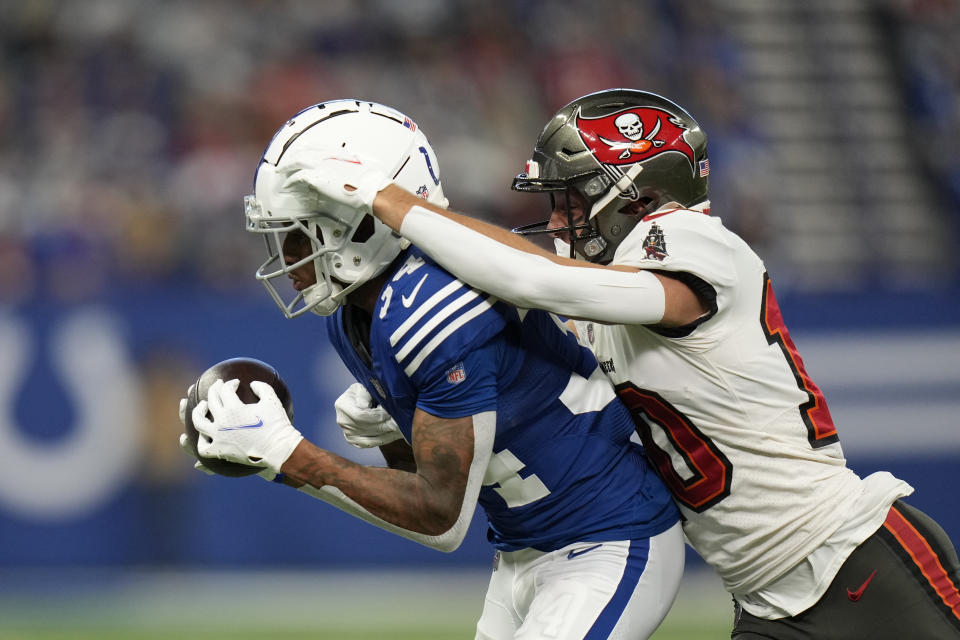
<point x="393" y="204"/>
<point x="432" y="505"/>
<point x="491" y="258"/>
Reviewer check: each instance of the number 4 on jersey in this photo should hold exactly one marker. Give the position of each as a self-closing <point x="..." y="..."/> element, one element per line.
<point x="517" y="491"/>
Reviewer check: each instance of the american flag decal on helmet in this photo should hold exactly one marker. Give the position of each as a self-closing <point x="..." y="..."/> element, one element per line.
<point x="704" y="167"/>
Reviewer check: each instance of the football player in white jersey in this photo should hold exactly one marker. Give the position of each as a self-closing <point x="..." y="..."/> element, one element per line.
<point x="682" y="317"/>
<point x="472" y="401"/>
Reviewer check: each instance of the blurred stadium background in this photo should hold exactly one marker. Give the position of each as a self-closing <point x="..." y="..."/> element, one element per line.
<point x="129" y="131"/>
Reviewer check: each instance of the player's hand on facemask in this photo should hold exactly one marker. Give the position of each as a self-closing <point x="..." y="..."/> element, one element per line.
<point x="333" y="176"/>
<point x="365" y="424"/>
<point x="258" y="434"/>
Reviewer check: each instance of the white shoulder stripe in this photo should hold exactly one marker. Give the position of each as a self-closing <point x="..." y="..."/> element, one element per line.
<point x="430" y="325"/>
<point x="414" y="317"/>
<point x="443" y="335"/>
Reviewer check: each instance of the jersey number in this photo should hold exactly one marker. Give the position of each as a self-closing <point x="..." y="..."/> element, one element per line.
<point x="707" y="479"/>
<point x="503" y="470"/>
<point x="820" y="429"/>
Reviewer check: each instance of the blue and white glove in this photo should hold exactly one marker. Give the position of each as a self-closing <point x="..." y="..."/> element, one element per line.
<point x="257" y="434"/>
<point x="365" y="424"/>
<point x="332" y="177"/>
<point x="266" y="474"/>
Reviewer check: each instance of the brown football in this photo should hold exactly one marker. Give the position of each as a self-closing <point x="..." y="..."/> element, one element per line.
<point x="246" y="370"/>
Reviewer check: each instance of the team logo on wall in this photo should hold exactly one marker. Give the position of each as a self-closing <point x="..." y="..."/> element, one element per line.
<point x="654" y="246"/>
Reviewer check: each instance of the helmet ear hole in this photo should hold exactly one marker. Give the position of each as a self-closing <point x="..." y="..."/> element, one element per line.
<point x="639" y="207"/>
<point x="364" y="230"/>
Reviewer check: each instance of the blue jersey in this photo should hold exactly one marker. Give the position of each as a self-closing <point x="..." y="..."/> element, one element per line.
<point x="563" y="468"/>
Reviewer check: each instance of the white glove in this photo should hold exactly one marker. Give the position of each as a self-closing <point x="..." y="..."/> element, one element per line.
<point x="267" y="474"/>
<point x="199" y="466"/>
<point x="332" y="177"/>
<point x="258" y="434"/>
<point x="183" y="406"/>
<point x="184" y="442"/>
<point x="364" y="423"/>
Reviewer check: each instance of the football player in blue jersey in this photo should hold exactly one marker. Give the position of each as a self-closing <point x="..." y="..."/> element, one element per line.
<point x="471" y="400"/>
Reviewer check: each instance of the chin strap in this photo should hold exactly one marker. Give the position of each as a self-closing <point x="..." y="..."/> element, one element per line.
<point x="616" y="189"/>
<point x="597" y="245"/>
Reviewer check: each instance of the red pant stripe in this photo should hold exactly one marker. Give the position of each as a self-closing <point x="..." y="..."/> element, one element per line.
<point x="925" y="558"/>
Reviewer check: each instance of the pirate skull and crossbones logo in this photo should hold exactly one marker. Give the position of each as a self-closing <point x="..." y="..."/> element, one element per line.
<point x="630" y="127"/>
<point x="632" y="135"/>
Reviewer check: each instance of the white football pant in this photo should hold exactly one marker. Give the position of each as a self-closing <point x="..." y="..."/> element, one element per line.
<point x="621" y="589"/>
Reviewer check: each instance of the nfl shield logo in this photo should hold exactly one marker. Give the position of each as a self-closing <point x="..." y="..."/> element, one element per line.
<point x="456" y="374"/>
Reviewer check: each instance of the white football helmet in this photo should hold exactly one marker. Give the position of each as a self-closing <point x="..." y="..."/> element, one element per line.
<point x="349" y="247"/>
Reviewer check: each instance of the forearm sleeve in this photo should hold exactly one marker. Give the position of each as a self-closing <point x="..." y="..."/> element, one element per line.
<point x="484" y="429"/>
<point x="531" y="281"/>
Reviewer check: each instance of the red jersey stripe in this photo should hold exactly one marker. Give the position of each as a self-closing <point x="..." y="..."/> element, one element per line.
<point x="925" y="558"/>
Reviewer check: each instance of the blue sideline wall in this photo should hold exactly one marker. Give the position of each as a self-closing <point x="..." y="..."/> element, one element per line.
<point x="87" y="477"/>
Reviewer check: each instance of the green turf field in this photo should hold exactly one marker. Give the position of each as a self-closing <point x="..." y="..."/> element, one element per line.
<point x="287" y="606"/>
<point x="666" y="632"/>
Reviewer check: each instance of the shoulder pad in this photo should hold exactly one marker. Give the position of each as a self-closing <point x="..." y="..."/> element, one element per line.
<point x="426" y="318"/>
<point x="680" y="240"/>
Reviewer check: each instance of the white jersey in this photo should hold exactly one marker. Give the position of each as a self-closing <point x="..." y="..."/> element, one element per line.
<point x="729" y="416"/>
<point x="734" y="424"/>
